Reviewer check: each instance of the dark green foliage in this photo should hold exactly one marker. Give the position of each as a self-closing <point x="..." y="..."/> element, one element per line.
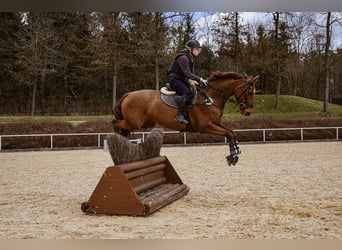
<point x="10" y="91"/>
<point x="67" y="63"/>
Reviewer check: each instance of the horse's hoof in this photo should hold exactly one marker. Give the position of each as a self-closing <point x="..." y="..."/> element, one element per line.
<point x="232" y="159"/>
<point x="229" y="162"/>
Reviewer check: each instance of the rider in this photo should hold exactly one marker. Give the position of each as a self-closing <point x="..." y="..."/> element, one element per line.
<point x="180" y="72"/>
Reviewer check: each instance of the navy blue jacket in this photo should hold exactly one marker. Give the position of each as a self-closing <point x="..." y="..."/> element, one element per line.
<point x="183" y="67"/>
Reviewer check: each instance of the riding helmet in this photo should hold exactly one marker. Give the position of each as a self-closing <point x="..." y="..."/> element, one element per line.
<point x="193" y="44"/>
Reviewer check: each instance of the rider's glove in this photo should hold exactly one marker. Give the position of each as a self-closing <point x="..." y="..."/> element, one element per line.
<point x="204" y="82"/>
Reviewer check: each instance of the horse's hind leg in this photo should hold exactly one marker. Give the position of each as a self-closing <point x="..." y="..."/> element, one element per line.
<point x="123" y="132"/>
<point x="121" y="128"/>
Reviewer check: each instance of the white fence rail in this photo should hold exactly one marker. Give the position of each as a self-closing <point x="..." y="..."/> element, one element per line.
<point x="263" y="131"/>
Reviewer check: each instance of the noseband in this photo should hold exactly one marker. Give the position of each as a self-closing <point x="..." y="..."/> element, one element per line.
<point x="245" y="92"/>
<point x="242" y="105"/>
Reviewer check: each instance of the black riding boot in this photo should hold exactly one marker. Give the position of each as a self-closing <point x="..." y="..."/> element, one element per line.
<point x="181" y="102"/>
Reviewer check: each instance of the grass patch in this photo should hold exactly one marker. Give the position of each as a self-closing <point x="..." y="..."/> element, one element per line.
<point x="290" y="107"/>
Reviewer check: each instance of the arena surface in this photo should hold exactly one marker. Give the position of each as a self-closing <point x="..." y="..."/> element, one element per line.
<point x="276" y="191"/>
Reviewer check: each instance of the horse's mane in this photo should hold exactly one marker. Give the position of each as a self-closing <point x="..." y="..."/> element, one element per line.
<point x="230" y="74"/>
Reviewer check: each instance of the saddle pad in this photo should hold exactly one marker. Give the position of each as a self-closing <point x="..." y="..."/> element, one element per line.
<point x="169" y="100"/>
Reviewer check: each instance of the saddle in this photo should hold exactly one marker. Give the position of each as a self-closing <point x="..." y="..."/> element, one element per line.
<point x="168" y="96"/>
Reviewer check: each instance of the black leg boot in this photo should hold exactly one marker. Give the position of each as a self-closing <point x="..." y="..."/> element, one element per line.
<point x="181" y="102"/>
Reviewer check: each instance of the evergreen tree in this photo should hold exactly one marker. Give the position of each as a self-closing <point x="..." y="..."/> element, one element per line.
<point x="37" y="54"/>
<point x="74" y="69"/>
<point x="230" y="36"/>
<point x="257" y="58"/>
<point x="10" y="91"/>
<point x="52" y="63"/>
<point x="109" y="43"/>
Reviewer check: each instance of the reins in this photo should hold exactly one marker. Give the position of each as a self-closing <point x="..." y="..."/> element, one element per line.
<point x="242" y="105"/>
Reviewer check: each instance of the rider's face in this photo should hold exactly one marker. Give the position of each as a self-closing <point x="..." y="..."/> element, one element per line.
<point x="196" y="51"/>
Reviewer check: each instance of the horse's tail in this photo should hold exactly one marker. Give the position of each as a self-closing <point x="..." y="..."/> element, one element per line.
<point x="117" y="109"/>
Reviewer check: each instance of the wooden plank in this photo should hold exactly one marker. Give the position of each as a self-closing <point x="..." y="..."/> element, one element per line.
<point x="131" y="166"/>
<point x="150" y="192"/>
<point x="165" y="199"/>
<point x="163" y="191"/>
<point x="144" y="171"/>
<point x="150" y="184"/>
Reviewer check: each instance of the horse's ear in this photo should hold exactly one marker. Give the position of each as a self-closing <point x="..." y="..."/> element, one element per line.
<point x="255" y="79"/>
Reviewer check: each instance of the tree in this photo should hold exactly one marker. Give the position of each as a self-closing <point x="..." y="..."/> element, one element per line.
<point x="258" y="58"/>
<point x="10" y="93"/>
<point x="300" y="30"/>
<point x="109" y="46"/>
<point x="277" y="57"/>
<point x="329" y="21"/>
<point x="230" y="34"/>
<point x="66" y="62"/>
<point x="147" y="43"/>
<point x="159" y="40"/>
<point x="74" y="57"/>
<point x="205" y="33"/>
<point x="336" y="74"/>
<point x="181" y="29"/>
<point x="37" y="52"/>
<point x="189" y="29"/>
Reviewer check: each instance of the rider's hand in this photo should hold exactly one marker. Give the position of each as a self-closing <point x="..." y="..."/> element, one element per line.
<point x="204" y="81"/>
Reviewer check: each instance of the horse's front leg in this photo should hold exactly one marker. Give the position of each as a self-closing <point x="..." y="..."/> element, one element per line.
<point x="235" y="150"/>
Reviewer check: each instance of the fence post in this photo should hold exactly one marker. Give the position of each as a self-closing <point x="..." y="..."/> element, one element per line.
<point x="264" y="135"/>
<point x="336" y="137"/>
<point x="301" y="134"/>
<point x="0" y="142"/>
<point x="51" y="141"/>
<point x="105" y="145"/>
<point x="184" y="138"/>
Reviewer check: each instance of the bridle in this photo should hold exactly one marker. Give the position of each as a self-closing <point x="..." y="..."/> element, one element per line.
<point x="242" y="105"/>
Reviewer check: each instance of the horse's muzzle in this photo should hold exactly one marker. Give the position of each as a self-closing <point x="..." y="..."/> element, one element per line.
<point x="247" y="112"/>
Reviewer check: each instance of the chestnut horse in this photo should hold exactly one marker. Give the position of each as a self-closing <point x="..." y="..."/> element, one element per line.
<point x="144" y="109"/>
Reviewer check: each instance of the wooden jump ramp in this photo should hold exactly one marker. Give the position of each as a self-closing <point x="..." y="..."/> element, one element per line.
<point x="136" y="188"/>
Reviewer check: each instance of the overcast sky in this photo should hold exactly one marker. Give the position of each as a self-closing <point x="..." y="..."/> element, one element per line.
<point x="266" y="19"/>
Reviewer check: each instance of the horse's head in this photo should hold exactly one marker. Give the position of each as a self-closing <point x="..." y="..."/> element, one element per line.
<point x="244" y="94"/>
<point x="226" y="84"/>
